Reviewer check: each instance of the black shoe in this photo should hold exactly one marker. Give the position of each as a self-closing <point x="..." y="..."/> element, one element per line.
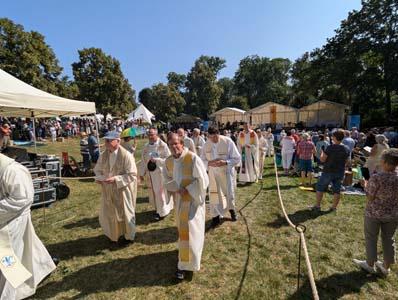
<point x="122" y="242"/>
<point x="157" y="217"/>
<point x="233" y="215"/>
<point x="215" y="221"/>
<point x="180" y="274"/>
<point x="188" y="275"/>
<point x="56" y="260"/>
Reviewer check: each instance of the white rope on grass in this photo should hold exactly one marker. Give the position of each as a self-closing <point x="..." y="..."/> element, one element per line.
<point x="302" y="237"/>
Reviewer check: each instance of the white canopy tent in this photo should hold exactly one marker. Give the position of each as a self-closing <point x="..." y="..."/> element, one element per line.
<point x="19" y="99"/>
<point x="229" y="114"/>
<point x="141" y="112"/>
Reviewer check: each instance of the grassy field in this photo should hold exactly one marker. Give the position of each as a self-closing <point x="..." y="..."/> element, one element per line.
<point x="254" y="258"/>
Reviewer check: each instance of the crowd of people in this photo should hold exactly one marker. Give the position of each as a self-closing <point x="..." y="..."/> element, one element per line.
<point x="183" y="168"/>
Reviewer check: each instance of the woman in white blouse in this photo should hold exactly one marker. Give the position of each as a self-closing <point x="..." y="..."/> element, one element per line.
<point x="288" y="144"/>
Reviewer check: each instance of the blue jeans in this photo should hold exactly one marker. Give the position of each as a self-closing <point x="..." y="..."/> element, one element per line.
<point x="305" y="165"/>
<point x="335" y="179"/>
<point x="86" y="161"/>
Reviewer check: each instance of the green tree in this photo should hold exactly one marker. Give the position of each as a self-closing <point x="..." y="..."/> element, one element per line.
<point x="178" y="80"/>
<point x="164" y="101"/>
<point x="27" y="56"/>
<point x="238" y="102"/>
<point x="100" y="79"/>
<point x="304" y="81"/>
<point x="227" y="86"/>
<point x="374" y="28"/>
<point x="202" y="91"/>
<point x="216" y="64"/>
<point x="68" y="88"/>
<point x="260" y="79"/>
<point x="145" y="97"/>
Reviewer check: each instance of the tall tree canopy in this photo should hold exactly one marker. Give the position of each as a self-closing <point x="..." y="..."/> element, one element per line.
<point x="202" y="91"/>
<point x="358" y="66"/>
<point x="164" y="101"/>
<point x="260" y="79"/>
<point x="178" y="80"/>
<point x="100" y="79"/>
<point x="27" y="56"/>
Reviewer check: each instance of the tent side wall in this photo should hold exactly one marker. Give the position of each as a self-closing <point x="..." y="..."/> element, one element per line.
<point x="273" y="113"/>
<point x="229" y="116"/>
<point x="322" y="114"/>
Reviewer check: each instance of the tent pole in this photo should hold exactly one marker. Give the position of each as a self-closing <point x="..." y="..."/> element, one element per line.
<point x="34" y="131"/>
<point x="97" y="127"/>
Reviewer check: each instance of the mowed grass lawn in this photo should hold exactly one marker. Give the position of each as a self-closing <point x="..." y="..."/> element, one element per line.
<point x="254" y="258"/>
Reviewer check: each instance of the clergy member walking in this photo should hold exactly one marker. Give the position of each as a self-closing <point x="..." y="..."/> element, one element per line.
<point x="198" y="141"/>
<point x="154" y="154"/>
<point x="24" y="259"/>
<point x="116" y="172"/>
<point x="248" y="149"/>
<point x="188" y="142"/>
<point x="262" y="142"/>
<point x="221" y="156"/>
<point x="185" y="175"/>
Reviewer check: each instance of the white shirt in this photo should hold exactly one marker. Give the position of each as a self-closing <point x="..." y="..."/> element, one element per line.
<point x="288" y="145"/>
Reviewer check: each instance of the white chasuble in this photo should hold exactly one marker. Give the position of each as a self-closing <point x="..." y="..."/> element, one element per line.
<point x="117" y="212"/>
<point x="188" y="172"/>
<point x="222" y="179"/>
<point x="158" y="196"/>
<point x="248" y="148"/>
<point x="17" y="233"/>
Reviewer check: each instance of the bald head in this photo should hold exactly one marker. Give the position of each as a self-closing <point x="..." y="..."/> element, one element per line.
<point x="181" y="132"/>
<point x="176" y="144"/>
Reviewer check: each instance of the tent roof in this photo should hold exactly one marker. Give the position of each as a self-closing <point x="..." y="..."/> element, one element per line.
<point x="228" y="109"/>
<point x="268" y="104"/>
<point x="141" y="112"/>
<point x="19" y="99"/>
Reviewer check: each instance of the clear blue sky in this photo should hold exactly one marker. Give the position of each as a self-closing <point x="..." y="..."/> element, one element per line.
<point x="153" y="37"/>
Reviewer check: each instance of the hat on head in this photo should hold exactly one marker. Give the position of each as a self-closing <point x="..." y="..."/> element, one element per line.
<point x="112" y="135"/>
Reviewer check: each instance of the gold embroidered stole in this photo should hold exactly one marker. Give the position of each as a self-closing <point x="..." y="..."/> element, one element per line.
<point x="183" y="217"/>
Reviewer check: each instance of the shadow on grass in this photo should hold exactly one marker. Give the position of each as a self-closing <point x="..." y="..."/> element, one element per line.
<point x="335" y="286"/>
<point x="141" y="200"/>
<point x="82" y="247"/>
<point x="298" y="217"/>
<point x="269" y="175"/>
<point x="282" y="187"/>
<point x="144" y="217"/>
<point x="155" y="269"/>
<point x="92" y="223"/>
<point x="157" y="236"/>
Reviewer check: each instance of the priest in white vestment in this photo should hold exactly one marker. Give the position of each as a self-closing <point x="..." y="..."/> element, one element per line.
<point x="185" y="175"/>
<point x="198" y="141"/>
<point x="262" y="147"/>
<point x="188" y="142"/>
<point x="155" y="153"/>
<point x="220" y="155"/>
<point x="24" y="259"/>
<point x="116" y="172"/>
<point x="248" y="148"/>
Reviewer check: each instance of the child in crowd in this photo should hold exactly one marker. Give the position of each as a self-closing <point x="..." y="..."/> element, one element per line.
<point x="381" y="213"/>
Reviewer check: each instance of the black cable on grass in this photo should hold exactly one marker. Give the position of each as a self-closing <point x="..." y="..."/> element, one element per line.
<point x="249" y="243"/>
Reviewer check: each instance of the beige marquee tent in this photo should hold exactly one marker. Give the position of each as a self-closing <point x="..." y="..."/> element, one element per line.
<point x="228" y="114"/>
<point x="272" y="113"/>
<point x="323" y="113"/>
